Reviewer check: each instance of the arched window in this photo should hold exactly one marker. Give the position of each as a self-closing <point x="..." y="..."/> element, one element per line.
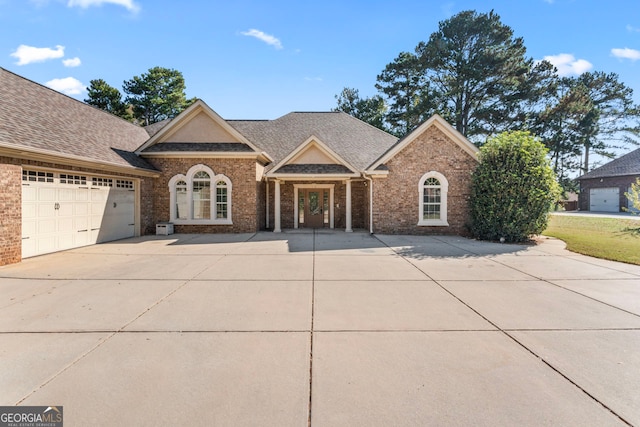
<point x="200" y="197"/>
<point x="432" y="196"/>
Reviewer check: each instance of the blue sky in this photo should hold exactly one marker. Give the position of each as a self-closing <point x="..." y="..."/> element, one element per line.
<point x="252" y="59"/>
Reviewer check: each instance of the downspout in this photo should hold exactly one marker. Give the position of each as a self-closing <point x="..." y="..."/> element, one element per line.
<point x="266" y="181"/>
<point x="370" y="202"/>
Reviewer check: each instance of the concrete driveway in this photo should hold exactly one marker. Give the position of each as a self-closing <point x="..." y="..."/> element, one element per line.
<point x="322" y="329"/>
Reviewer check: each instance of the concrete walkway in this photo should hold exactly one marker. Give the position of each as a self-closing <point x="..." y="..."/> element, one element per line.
<point x="322" y="329"/>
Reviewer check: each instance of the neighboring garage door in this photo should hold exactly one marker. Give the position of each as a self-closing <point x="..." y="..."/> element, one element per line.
<point x="604" y="199"/>
<point x="63" y="211"/>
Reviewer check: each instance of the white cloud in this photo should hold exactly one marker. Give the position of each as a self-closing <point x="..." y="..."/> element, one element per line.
<point x="267" y="38"/>
<point x="568" y="65"/>
<point x="68" y="86"/>
<point x="72" y="62"/>
<point x="626" y="53"/>
<point x="84" y="4"/>
<point x="633" y="29"/>
<point x="29" y="54"/>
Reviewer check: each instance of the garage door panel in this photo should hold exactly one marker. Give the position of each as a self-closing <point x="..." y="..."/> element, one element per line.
<point x="29" y="227"/>
<point x="66" y="194"/>
<point x="29" y="211"/>
<point x="45" y="209"/>
<point x="29" y="193"/>
<point x="46" y="226"/>
<point x="47" y="194"/>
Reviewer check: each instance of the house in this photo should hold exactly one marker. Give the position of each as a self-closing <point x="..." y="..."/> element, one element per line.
<point x="72" y="175"/>
<point x="602" y="189"/>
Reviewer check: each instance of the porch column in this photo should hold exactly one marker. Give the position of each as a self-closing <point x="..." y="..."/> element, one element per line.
<point x="276" y="208"/>
<point x="348" y="219"/>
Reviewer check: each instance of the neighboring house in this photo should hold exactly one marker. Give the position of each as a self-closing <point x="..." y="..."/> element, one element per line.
<point x="602" y="189"/>
<point x="72" y="175"/>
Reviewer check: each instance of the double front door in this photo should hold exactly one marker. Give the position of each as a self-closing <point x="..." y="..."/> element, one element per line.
<point x="313" y="208"/>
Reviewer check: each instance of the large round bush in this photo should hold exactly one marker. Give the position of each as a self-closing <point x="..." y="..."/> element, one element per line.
<point x="513" y="188"/>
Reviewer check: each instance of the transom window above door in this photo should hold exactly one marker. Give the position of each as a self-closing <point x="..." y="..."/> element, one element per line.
<point x="200" y="197"/>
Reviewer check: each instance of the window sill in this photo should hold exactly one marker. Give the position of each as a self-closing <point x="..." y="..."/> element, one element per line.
<point x="433" y="223"/>
<point x="202" y="222"/>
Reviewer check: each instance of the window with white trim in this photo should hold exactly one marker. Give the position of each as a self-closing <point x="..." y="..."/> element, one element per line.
<point x="432" y="196"/>
<point x="181" y="202"/>
<point x="200" y="197"/>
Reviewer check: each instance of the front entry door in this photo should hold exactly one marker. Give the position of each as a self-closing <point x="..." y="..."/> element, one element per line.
<point x="313" y="208"/>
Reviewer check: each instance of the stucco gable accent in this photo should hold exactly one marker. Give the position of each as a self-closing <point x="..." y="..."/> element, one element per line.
<point x="440" y="124"/>
<point x="313" y="148"/>
<point x="199" y="124"/>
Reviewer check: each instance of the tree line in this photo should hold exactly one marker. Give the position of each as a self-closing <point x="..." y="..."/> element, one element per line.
<point x="151" y="97"/>
<point x="475" y="73"/>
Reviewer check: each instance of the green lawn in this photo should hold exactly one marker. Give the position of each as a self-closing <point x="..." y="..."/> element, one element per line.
<point x="608" y="238"/>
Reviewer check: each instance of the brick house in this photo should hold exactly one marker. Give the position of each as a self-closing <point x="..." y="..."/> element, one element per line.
<point x="72" y="175"/>
<point x="602" y="189"/>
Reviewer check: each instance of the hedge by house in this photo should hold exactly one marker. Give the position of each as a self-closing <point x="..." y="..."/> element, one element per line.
<point x="513" y="188"/>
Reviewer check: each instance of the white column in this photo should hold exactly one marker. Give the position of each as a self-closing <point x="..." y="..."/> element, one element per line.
<point x="276" y="208"/>
<point x="348" y="227"/>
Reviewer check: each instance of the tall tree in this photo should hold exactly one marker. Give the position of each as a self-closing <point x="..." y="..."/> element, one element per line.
<point x="557" y="125"/>
<point x="479" y="74"/>
<point x="156" y="95"/>
<point x="609" y="119"/>
<point x="591" y="113"/>
<point x="403" y="83"/>
<point x="107" y="98"/>
<point x="370" y="110"/>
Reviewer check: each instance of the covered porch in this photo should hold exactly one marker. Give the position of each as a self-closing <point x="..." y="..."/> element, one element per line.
<point x="330" y="203"/>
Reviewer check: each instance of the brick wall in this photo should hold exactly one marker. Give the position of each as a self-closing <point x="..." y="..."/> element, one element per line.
<point x="396" y="198"/>
<point x="10" y="213"/>
<point x="622" y="182"/>
<point x="244" y="194"/>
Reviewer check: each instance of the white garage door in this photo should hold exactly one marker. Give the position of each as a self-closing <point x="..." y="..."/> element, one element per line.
<point x="604" y="199"/>
<point x="63" y="211"/>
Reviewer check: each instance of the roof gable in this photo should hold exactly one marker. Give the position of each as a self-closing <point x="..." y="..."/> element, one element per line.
<point x="313" y="152"/>
<point x="200" y="129"/>
<point x="439" y="123"/>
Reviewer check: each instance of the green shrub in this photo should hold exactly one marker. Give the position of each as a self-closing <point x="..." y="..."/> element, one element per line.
<point x="513" y="188"/>
<point x="633" y="196"/>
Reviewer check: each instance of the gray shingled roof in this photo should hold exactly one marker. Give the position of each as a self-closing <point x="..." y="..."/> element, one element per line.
<point x="154" y="128"/>
<point x="224" y="147"/>
<point x="37" y="117"/>
<point x="355" y="141"/>
<point x="629" y="164"/>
